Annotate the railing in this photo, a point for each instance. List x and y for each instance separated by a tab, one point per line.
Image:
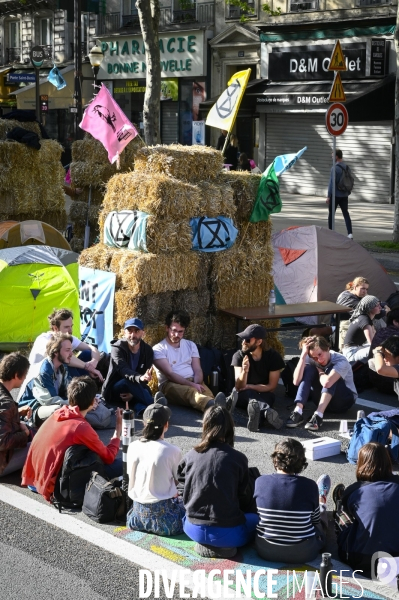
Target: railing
203	13
132	19
298	6
109	23
13	55
184	16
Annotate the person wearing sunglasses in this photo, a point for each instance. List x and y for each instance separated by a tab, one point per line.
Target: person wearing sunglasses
178	367
257	371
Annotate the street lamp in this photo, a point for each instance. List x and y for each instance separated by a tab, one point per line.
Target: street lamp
95	57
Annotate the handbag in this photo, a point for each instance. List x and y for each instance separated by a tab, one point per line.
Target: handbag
104	500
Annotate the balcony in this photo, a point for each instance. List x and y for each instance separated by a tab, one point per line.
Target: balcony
132	20
203	13
109	23
13	55
186	15
236	12
299	6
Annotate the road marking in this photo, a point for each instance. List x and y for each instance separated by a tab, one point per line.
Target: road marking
93	535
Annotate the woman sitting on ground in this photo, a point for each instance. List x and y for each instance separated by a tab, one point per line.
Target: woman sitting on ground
366	511
384	383
386	361
152	467
292	509
361	330
216	490
351	296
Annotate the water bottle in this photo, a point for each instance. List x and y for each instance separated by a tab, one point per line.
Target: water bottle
272	301
127	437
326	575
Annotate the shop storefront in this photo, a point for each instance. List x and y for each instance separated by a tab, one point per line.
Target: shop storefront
294	100
184	81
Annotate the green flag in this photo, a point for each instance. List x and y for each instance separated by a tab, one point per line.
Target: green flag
268	197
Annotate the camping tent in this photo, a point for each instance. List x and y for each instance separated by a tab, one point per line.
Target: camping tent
14	234
33	281
314	263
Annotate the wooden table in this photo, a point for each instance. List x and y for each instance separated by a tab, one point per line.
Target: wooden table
282	311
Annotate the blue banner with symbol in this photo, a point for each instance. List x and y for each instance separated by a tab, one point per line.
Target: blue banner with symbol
96	303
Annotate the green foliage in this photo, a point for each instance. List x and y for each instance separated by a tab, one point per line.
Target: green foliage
245	10
388	245
273	13
186	4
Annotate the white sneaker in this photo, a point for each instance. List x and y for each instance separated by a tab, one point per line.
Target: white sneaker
350	236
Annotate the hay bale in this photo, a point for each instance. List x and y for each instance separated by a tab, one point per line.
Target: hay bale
152	309
57	219
97	257
78	217
217	199
97	195
242	278
187	163
245	187
77	244
144	274
163	235
155	194
198	331
195	302
7	124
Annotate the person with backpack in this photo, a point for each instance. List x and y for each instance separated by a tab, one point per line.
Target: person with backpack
365	512
343	187
68	427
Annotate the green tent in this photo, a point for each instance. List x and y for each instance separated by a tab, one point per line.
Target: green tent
33	282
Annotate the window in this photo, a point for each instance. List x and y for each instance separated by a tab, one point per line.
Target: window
298	6
14	34
46	32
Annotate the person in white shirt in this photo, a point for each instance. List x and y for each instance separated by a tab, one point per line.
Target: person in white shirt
178	367
152	467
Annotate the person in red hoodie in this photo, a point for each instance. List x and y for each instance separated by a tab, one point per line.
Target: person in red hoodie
67	427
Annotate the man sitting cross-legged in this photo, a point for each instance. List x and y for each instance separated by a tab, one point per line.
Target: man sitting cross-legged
130	368
325	377
178	367
257	371
46	392
68	427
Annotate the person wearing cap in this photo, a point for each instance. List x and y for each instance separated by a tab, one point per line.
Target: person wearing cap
257	371
178	367
152	468
130	368
326	378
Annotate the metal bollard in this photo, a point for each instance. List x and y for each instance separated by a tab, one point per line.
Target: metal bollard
127	437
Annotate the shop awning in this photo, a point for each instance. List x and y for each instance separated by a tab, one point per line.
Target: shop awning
318	33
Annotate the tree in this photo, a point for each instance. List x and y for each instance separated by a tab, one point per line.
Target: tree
396	190
149	13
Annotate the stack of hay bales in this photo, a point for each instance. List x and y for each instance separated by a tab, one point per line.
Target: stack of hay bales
172	184
31	180
90	166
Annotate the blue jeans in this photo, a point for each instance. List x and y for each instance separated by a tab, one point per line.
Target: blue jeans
343	204
115	469
223	537
85	356
310	389
141	393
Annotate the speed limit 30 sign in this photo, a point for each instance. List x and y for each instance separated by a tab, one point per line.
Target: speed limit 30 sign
336	119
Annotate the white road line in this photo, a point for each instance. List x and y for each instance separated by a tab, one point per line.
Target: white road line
93	535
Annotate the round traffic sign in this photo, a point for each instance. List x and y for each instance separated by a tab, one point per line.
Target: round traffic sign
37	56
336	119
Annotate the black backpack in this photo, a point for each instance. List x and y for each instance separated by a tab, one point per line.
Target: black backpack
79	462
104	500
287	375
346	181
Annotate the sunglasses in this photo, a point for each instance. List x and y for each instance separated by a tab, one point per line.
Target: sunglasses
246	340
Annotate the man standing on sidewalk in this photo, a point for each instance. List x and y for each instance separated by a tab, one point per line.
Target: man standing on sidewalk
341	197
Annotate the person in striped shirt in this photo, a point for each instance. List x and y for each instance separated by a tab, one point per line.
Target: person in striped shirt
292	509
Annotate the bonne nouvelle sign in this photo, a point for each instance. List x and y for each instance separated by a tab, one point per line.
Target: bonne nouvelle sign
181	53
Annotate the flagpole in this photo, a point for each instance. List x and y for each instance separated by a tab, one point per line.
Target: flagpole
227	140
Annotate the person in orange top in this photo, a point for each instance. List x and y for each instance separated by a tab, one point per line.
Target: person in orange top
67	427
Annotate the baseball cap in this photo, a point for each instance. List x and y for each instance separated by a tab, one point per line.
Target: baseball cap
253	331
158	414
134	323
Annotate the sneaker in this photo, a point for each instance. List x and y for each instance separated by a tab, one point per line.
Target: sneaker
220	400
324	485
213	552
232	401
253	411
338	492
273	418
32	489
314	424
295	419
350	236
158	396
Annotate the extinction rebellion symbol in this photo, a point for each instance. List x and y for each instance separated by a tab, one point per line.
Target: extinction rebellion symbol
227	101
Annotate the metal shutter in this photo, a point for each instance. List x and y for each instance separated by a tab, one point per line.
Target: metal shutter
366	148
169	120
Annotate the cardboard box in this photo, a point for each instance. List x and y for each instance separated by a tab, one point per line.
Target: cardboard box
321	447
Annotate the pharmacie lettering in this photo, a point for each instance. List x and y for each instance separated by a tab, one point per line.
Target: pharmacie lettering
166	45
311	65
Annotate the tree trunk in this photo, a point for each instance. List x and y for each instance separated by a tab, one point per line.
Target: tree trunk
149	13
396	189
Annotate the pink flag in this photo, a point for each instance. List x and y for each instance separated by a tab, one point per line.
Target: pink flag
106	122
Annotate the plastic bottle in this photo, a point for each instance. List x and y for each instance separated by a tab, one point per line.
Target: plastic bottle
272	301
326	575
127	438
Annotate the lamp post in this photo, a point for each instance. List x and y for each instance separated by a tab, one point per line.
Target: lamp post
95	57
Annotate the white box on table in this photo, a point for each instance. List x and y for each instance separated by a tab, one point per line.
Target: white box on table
321	447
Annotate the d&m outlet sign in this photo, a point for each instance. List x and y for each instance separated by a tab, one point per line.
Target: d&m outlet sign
182	55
